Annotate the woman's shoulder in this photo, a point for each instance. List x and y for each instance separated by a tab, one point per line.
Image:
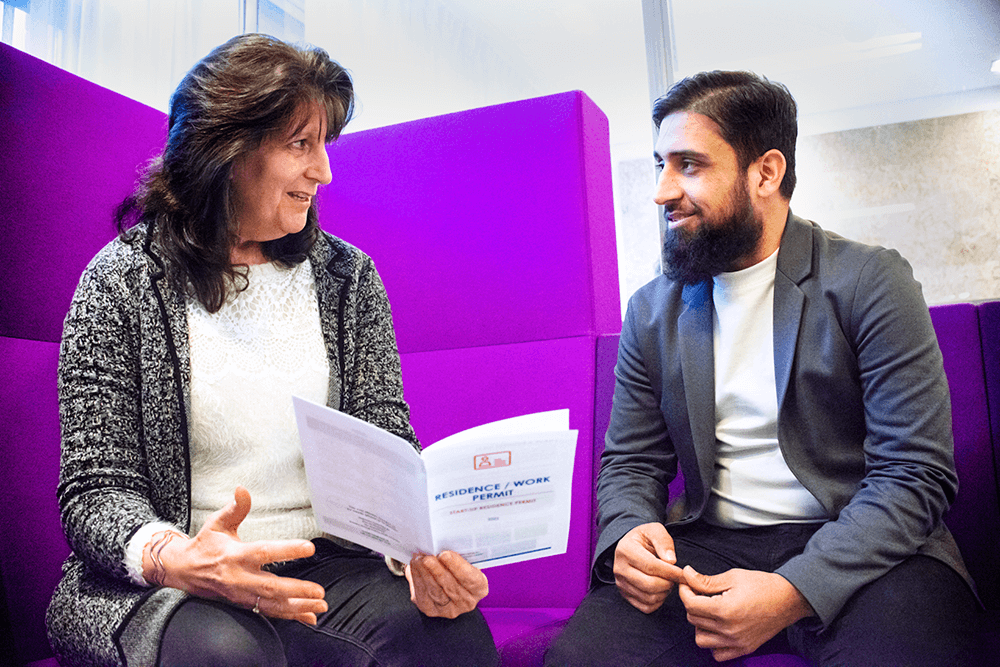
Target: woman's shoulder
339	256
117	265
121	253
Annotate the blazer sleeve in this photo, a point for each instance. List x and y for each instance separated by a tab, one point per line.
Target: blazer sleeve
638	461
909	476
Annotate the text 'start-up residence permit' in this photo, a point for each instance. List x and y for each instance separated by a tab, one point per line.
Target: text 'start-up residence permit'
496	494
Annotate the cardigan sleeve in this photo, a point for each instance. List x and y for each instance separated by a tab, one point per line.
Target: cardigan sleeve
373	379
103	489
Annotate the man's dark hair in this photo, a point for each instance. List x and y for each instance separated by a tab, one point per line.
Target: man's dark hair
243	92
754	115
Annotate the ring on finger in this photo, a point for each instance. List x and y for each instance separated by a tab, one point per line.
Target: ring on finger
256	606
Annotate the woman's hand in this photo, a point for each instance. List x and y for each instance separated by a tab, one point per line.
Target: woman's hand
215	564
445	585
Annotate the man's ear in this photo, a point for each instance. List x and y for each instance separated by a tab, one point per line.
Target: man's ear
767	172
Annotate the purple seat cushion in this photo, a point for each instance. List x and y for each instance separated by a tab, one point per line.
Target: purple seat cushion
974	518
523	634
989	330
32	548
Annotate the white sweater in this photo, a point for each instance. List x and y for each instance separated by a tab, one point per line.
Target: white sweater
753	484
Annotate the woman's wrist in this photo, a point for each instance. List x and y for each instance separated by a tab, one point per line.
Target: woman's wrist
154	570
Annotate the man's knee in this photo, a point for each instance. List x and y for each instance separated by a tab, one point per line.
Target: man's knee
919	613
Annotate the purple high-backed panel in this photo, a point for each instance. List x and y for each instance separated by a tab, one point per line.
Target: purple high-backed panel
72	152
485	224
974	518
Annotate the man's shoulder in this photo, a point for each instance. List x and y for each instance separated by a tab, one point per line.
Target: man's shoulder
658	292
830	243
823	254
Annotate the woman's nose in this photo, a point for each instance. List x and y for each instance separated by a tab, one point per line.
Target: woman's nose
319	170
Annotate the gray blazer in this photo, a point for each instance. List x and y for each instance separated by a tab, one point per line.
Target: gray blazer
124	382
864	414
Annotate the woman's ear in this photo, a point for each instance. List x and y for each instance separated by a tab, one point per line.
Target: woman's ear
767	172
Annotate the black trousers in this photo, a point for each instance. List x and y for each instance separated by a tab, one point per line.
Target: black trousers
370	622
921	613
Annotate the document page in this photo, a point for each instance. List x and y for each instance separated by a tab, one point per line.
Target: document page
496	494
368	486
500	493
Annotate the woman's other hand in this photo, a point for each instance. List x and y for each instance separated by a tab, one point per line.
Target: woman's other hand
215	564
445	585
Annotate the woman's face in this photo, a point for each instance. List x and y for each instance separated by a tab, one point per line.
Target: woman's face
274	186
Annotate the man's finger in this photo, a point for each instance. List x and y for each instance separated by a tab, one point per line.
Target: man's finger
697	606
644	602
704	584
638	580
661	542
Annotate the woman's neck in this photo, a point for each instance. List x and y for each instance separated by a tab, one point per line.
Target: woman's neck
247	252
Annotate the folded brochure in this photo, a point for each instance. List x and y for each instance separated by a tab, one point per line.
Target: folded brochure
496	494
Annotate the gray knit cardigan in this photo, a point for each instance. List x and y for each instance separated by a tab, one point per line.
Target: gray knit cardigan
124	400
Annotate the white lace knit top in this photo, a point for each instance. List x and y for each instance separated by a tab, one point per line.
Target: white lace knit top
247	360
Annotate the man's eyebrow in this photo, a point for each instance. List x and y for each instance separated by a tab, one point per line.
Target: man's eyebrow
696	155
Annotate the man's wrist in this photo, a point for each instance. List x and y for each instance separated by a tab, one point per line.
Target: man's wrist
797	606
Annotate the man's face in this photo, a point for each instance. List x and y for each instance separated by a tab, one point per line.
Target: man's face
711	223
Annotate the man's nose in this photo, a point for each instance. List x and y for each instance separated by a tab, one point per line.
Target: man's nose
667	188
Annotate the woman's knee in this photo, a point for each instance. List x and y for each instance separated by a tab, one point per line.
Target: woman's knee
204	632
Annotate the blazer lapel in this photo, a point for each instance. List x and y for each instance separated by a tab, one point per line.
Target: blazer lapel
794	265
696	344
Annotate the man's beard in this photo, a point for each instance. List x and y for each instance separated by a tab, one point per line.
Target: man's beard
716	245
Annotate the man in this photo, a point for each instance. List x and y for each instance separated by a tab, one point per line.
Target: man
794	378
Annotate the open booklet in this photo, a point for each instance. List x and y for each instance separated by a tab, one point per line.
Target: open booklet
496	494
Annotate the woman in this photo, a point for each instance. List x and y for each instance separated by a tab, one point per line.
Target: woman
182	347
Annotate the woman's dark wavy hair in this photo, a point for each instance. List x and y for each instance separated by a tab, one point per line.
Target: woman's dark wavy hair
754	115
250	88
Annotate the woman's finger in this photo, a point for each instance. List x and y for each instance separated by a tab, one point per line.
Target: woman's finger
467	575
228	519
428	581
444	581
265	552
296	609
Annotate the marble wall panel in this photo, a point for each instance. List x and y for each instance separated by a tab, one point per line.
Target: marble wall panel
928	188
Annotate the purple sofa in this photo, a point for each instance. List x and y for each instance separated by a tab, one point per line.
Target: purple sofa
493	231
